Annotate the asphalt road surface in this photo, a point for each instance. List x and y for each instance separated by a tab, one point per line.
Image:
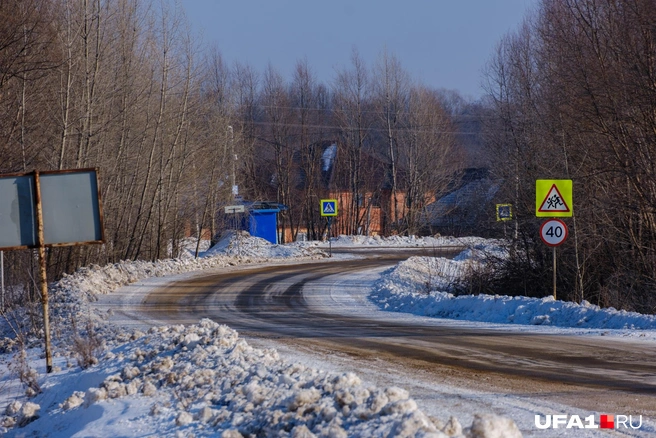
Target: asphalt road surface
270	304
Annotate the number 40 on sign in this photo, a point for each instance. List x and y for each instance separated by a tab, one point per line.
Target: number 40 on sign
553	232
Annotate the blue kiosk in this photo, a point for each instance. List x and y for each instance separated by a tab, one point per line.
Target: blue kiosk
260	219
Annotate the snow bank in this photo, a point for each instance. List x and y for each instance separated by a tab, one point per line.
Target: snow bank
397	241
203	380
422	285
70	295
243	244
232	250
187	247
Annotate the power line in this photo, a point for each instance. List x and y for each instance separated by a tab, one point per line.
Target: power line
348	128
374	112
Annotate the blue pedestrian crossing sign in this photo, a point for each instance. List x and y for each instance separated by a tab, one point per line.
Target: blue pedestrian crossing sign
329	207
504	212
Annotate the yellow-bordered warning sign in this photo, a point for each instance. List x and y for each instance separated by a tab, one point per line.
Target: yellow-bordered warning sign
553	198
329	207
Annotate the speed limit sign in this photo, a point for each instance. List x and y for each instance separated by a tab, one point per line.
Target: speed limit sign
553	232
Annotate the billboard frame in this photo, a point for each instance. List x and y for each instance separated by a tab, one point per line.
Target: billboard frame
36	221
36	187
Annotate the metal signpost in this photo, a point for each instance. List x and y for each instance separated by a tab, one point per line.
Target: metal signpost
235	209
553	198
329	209
50	209
504	214
553	233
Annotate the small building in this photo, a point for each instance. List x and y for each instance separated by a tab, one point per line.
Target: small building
260	219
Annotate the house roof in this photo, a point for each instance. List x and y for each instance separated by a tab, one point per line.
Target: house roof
466	202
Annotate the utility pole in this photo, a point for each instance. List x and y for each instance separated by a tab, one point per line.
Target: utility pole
235	189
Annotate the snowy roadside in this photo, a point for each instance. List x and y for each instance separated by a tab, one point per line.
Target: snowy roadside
200	380
203	380
372	242
421	286
70	296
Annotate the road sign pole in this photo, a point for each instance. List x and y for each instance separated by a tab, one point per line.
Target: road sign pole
554	272
237	235
553	198
553	232
330	242
328	208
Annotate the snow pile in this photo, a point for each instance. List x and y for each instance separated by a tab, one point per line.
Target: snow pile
426	274
419	275
479	252
399	241
203	380
422	286
243	244
70	295
187	247
102	280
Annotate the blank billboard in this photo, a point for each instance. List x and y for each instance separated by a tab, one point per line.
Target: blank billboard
70	203
17	212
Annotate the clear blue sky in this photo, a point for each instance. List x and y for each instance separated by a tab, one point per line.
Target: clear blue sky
442	43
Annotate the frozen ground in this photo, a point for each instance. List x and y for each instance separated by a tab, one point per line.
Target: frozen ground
203	380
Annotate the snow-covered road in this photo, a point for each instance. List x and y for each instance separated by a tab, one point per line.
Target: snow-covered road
455	366
202	379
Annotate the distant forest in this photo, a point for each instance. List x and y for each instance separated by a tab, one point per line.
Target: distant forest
125	86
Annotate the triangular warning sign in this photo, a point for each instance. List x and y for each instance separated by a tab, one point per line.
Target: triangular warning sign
554	202
328	208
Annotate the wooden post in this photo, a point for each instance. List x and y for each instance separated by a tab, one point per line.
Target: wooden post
2	278
43	270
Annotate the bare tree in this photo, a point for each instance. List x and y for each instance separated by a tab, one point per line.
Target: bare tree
391	91
430	155
352	112
26	36
278	148
309	121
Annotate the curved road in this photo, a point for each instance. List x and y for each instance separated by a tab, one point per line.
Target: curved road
271	303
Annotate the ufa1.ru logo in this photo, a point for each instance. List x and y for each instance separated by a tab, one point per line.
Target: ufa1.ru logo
576	422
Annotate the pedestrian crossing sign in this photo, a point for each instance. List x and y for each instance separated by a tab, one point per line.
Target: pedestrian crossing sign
329	207
504	212
553	198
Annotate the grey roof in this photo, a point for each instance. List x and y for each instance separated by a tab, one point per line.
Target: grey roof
464	206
